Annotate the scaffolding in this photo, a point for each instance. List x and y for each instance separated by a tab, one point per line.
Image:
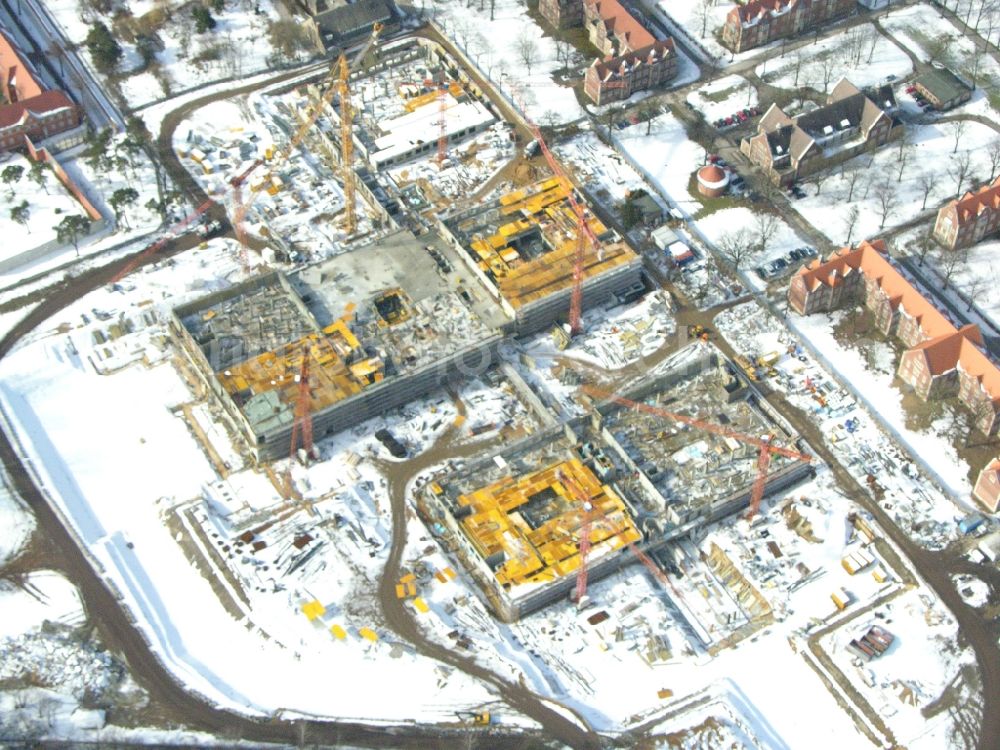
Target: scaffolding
527	529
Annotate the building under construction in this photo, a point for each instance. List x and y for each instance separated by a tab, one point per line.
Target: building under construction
523	247
514	519
381	325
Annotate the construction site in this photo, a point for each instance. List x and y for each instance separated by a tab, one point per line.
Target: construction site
582	499
365	331
535	245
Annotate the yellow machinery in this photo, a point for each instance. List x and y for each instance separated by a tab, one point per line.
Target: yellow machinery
475	718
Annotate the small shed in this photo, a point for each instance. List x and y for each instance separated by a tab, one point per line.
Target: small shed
663	237
942	88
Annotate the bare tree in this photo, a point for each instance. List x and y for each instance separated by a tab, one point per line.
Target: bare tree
765	227
939	47
949	262
564	52
927	181
527	50
993	154
736	247
924	247
905	154
703	14
851	223
851	177
796	66
828	66
958	129
873	37
977	284
819	178
887	200
959	170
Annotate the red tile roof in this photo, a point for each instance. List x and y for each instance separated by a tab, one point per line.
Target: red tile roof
622	24
14	67
755	9
620	65
47	101
970	205
946	347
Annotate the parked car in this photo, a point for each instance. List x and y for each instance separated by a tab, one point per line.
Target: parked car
796	254
810	252
754	111
911	89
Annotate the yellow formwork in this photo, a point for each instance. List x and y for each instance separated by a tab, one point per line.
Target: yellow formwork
331	379
550	550
313	610
543	206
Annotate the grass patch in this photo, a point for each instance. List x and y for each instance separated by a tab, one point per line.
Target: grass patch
711	205
575	36
718	96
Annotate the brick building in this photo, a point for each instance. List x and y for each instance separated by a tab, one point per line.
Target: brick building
758	22
969	219
30	109
987	489
633	59
941	360
562	14
852	121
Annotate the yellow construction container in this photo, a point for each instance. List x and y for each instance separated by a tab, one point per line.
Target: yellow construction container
400	591
338	632
313	610
368	634
421	605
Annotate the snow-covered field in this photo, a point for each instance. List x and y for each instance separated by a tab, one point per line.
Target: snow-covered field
722	97
880	197
721	227
930	36
860	54
238	45
495	47
667	155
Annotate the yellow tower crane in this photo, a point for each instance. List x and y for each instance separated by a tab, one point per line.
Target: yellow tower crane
347	129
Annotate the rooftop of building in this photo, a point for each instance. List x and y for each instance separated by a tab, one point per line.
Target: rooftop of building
946	346
942	84
528	527
621	65
972	204
526	242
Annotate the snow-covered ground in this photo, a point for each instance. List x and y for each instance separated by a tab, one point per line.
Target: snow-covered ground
928	35
46	206
238	45
16	522
723	97
929	155
720	227
859	54
497	46
667	155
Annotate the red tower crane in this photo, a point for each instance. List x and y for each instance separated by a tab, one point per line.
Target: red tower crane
302	426
583	538
583	230
764	444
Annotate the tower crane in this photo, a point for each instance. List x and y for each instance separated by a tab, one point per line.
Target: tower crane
583	540
584	233
764	444
347	128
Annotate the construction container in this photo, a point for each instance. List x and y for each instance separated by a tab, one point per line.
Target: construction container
338	632
368	634
313	610
421	606
880	575
840	598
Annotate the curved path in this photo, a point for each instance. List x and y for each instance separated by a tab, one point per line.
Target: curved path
401	619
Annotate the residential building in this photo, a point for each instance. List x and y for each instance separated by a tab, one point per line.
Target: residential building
335	24
562	14
987	489
941	360
632	58
852	121
942	88
30	110
967	220
758	22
